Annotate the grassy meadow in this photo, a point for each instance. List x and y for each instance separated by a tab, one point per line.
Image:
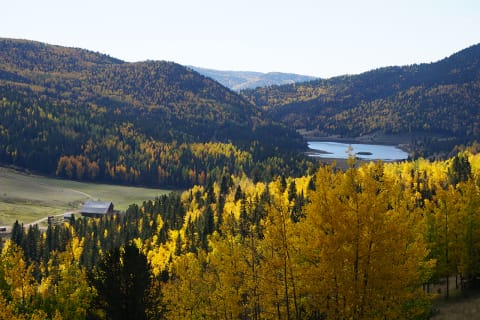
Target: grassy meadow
26	197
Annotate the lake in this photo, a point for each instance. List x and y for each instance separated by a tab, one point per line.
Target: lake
337	150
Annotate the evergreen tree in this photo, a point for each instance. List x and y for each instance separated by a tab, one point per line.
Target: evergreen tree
460	170
17	233
122	281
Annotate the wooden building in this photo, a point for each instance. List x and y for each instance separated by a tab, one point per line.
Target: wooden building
97	209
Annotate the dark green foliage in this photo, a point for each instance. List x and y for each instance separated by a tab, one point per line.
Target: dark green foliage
244	223
460	170
140	222
86	116
292	191
17	233
238	193
122	279
297	210
137	222
435	105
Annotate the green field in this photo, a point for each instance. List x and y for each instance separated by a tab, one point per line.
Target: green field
27	197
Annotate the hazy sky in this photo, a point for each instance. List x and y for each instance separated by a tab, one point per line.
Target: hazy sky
320	38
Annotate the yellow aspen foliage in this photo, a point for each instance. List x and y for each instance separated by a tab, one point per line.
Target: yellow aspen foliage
17	274
159	257
251	190
160	223
469	235
187	293
65	283
140	223
42	315
139	244
231	207
7	310
282	272
172	235
365	256
230	273
75	247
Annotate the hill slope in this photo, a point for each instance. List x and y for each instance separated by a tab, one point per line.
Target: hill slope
138	122
239	80
439	103
165	90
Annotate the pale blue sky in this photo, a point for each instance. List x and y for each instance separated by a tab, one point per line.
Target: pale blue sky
320	38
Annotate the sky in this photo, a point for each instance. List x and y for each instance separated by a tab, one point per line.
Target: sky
319	38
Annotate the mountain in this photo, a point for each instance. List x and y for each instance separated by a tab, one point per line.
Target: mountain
82	114
435	105
239	80
165	90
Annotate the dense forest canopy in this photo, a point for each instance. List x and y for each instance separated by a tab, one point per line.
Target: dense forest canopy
368	242
84	115
261	232
437	104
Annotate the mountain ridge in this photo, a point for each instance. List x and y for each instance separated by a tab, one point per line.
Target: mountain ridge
438	101
152	122
239	80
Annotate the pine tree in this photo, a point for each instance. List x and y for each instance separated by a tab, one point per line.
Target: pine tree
122	281
460	169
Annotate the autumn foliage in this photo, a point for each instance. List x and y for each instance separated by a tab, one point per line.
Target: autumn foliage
367	242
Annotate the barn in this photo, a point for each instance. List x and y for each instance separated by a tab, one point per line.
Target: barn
97	209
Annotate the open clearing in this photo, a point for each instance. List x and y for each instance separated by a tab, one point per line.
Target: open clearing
26	197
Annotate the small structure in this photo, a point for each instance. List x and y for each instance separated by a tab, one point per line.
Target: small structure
97	209
55	220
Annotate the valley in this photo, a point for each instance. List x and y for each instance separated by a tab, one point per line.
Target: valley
28	197
226	216
433	106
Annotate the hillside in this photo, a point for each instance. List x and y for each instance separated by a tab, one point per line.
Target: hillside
239	80
85	115
437	105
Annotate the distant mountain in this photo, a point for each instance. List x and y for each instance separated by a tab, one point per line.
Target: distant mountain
82	114
437	105
239	80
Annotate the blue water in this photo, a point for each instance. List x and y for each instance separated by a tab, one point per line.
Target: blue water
339	151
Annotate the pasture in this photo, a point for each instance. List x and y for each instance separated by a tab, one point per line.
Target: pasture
27	197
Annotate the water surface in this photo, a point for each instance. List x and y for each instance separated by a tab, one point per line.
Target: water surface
337	150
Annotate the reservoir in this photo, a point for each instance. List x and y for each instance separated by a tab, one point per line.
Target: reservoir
336	150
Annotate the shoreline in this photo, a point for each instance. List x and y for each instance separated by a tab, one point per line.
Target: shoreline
358	140
323	154
400	141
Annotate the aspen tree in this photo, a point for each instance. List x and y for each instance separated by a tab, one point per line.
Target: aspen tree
366	253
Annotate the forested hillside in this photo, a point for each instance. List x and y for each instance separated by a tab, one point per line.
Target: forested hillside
438	103
368	242
261	232
84	115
